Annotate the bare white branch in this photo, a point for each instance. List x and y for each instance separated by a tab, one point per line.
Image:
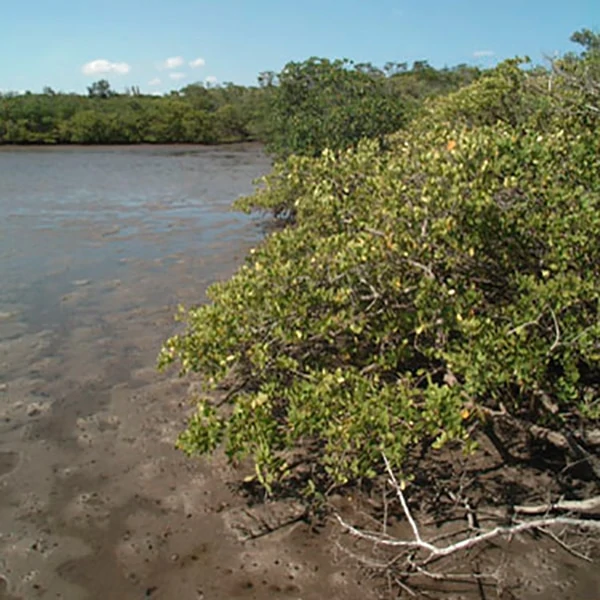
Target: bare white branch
501	530
557	332
398	488
411	560
566	547
590	506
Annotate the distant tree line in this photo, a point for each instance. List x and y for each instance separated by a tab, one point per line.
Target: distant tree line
304	108
195	114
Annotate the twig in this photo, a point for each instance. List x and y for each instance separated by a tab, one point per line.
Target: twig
231	393
557	330
460	577
400	495
558	440
547	403
414	263
374	231
518	328
580	452
415	556
268	530
436	552
405	587
565	546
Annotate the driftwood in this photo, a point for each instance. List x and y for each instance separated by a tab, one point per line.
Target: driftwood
591	506
413	556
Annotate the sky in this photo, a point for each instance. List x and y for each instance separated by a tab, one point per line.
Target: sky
161	45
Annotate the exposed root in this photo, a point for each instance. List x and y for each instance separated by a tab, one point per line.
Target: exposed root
412	556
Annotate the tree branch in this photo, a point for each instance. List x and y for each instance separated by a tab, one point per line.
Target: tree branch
590	506
434	552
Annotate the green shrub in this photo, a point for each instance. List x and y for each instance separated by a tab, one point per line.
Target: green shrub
458	270
320	104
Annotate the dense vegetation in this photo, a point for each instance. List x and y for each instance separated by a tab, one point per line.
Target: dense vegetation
353	101
419	285
194	114
322	104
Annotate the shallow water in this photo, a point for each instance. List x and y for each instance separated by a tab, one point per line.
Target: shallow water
97	247
83	213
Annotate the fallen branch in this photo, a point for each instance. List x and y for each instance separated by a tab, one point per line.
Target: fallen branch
501	530
591	506
410	561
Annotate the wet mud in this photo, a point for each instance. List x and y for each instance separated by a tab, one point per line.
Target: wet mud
97	248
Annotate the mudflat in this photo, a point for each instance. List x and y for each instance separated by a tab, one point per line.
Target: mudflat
97	248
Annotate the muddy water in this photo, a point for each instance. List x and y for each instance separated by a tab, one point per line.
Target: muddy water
97	247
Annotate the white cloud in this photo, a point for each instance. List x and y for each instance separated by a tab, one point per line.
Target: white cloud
198	62
171	63
177	75
483	53
102	66
211	79
155	81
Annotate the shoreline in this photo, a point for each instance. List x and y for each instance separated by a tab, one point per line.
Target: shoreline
241	145
95	502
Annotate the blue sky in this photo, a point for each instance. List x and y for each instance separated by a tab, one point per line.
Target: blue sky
67	44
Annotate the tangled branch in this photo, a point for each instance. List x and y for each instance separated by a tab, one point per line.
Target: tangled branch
415	554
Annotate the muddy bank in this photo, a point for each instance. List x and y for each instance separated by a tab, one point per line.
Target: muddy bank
95	501
97	247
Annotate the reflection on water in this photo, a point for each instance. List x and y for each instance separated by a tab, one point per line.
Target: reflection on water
97	246
70	214
101	204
